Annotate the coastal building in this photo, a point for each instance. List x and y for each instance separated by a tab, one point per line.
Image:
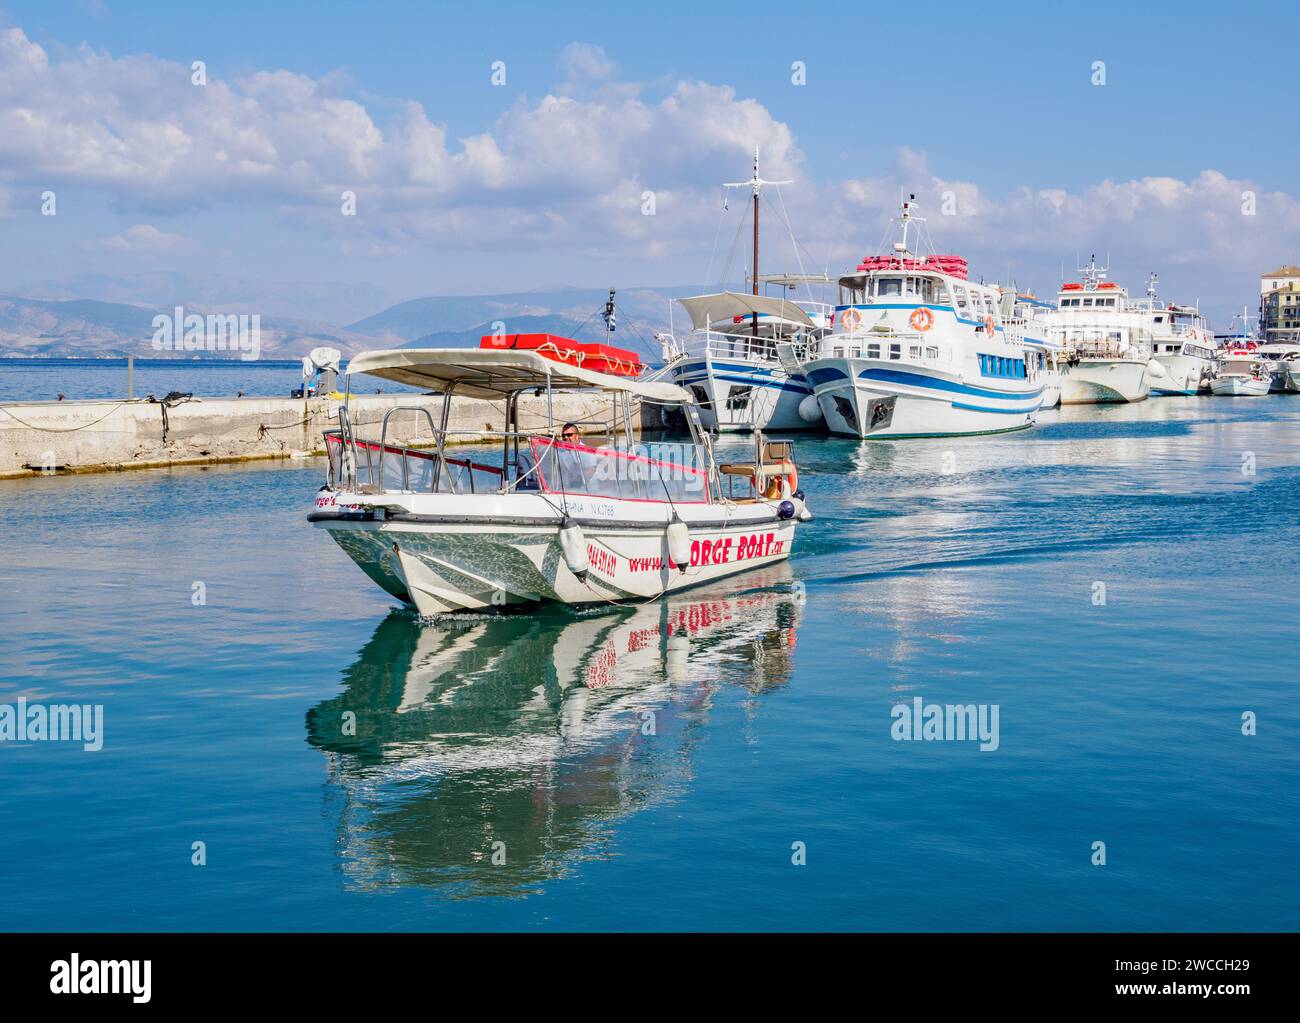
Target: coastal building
1279	304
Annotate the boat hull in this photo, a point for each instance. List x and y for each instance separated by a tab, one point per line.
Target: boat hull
876	399
740	396
446	561
1104	381
1051	381
1184	375
1239	387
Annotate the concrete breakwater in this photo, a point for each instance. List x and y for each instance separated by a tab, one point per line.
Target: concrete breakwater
105	436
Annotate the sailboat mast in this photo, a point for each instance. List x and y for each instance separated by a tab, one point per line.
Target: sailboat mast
754	278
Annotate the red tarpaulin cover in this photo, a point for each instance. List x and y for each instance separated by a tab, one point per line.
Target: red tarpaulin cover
601	358
954	266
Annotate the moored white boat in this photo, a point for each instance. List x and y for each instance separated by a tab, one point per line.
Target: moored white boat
730	363
1284	366
554	519
1105	342
919	350
1183	344
1242	373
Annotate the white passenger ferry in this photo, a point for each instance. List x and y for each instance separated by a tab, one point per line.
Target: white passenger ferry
917	349
1105	340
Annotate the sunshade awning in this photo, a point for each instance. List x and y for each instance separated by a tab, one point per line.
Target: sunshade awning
486	373
723	307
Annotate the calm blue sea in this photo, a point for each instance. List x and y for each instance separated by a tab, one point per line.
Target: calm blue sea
655	768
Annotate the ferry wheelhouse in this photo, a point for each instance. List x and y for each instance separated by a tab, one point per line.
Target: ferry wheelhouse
917	349
1105	341
554	518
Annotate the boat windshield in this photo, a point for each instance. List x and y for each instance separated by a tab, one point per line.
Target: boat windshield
645	472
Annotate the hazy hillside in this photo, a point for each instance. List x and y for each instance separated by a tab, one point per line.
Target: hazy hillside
645	309
90	327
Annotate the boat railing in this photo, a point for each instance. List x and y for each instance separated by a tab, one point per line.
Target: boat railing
738	345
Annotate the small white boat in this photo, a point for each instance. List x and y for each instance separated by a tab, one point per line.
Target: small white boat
554	519
1284	366
1242	373
731	365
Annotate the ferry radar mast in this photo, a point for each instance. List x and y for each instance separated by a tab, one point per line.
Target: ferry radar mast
1093	274
756	184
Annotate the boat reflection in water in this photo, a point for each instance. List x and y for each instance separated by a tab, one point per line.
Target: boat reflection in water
537	731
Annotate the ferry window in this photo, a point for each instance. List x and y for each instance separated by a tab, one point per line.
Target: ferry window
941	295
888	287
914	351
931	353
959	299
873	351
1087	301
896	351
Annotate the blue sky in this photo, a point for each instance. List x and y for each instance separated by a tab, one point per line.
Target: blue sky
995	104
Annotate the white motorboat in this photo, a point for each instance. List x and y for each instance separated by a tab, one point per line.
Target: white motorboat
1284	366
554	519
730	362
1242	373
1105	341
1183	344
917	349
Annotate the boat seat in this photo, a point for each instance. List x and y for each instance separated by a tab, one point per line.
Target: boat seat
736	468
776	451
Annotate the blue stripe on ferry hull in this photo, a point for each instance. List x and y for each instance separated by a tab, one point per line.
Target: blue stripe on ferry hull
897	376
795	386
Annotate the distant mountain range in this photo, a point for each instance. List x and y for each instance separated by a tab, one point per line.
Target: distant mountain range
39	323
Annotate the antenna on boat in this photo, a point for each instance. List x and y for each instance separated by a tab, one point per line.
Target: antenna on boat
1152	279
909	204
1093	274
755	183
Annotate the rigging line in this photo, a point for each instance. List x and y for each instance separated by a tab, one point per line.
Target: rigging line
732	251
717	233
785	216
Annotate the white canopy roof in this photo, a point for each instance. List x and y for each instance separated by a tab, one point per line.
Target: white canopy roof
488	373
724	306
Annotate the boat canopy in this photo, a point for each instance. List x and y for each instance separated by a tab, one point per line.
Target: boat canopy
484	373
711	310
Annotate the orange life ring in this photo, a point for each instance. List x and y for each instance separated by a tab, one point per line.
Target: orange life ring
921	318
850	319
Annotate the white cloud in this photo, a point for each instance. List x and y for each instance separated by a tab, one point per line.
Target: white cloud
140	239
563	172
